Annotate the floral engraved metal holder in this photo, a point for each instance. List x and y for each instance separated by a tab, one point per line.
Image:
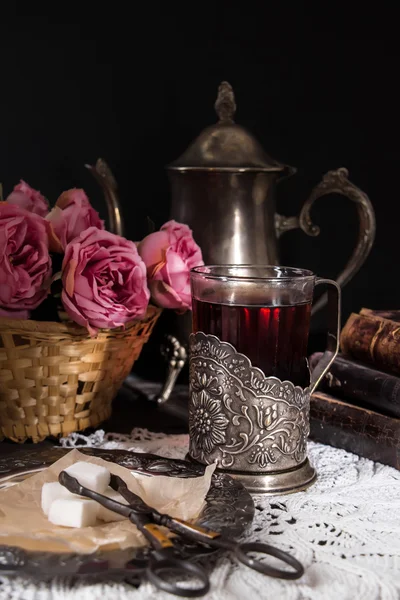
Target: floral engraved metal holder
255	427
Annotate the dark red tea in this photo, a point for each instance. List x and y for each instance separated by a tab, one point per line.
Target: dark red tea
274	338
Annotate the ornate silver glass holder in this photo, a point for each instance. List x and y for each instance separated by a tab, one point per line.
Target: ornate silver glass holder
254	427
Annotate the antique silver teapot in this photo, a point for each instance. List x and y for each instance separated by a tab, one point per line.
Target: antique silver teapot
224	187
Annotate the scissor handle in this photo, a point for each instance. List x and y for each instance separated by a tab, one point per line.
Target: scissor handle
242	552
159	571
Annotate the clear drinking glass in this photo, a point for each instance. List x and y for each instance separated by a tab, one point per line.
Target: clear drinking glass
248	365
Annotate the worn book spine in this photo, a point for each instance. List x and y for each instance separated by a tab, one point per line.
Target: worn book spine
392	315
373	340
355	429
361	384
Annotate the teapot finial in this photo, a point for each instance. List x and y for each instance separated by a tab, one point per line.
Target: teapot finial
225	105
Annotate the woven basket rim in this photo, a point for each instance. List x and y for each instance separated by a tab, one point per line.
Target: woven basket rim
56	378
43	328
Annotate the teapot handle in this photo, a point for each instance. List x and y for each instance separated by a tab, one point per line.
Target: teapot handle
103	175
336	182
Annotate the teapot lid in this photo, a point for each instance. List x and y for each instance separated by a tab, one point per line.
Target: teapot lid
225	146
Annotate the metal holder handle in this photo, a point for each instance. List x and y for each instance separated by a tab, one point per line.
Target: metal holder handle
336	182
332	348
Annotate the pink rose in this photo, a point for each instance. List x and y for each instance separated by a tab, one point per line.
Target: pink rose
169	254
25	264
104	280
71	215
26	197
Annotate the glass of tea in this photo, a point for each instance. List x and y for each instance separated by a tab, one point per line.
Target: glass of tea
250	384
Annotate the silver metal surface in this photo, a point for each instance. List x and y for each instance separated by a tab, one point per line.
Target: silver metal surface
334	299
337	182
224	187
273	484
229	509
247	423
232	214
226	146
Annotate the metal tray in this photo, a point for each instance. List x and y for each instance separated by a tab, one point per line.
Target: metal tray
229	509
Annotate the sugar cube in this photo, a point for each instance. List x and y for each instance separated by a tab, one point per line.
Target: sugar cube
107	515
73	512
89	475
52	491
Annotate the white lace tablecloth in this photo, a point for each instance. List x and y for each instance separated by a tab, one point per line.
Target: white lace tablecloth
345	530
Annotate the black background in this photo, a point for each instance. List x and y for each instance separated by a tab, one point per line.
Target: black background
135	83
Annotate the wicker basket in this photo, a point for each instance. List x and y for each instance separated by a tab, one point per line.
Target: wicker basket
55	379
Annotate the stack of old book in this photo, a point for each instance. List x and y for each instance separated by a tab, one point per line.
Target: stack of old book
357	406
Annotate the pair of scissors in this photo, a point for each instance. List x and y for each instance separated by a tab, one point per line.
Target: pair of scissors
164	561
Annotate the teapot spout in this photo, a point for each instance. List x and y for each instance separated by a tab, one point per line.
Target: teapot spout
287	171
103	175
